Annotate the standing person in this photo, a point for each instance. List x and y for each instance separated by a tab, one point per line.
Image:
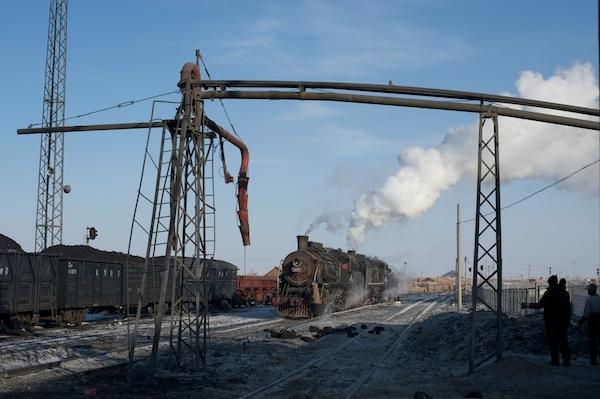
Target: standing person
568	310
563	284
591	314
556	305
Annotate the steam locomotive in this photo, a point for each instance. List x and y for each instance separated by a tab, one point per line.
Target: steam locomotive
316	280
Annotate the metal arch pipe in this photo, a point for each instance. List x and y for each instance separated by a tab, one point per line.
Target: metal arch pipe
402	102
242	187
393	89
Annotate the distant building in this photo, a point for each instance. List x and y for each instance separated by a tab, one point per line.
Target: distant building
432	284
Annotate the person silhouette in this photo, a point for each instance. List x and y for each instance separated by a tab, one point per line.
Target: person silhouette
557	314
591	315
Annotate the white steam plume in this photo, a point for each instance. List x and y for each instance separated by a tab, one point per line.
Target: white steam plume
332	221
527	150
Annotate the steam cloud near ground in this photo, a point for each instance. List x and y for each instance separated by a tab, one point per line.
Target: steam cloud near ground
527	150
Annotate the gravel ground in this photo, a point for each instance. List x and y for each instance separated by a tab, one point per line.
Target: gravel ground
428	357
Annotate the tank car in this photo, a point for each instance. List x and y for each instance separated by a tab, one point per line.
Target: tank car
316	280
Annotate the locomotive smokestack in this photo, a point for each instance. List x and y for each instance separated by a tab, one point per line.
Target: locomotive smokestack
302	242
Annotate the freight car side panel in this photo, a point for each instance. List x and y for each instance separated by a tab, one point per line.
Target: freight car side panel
112	285
87	284
25	284
8	262
75	283
47	278
84	278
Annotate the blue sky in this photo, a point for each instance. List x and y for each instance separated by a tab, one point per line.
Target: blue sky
305	157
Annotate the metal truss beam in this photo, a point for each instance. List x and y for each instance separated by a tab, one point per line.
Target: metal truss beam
488	236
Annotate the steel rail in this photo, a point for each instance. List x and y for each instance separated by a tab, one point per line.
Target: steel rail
375	366
394	89
333	351
402	102
287	323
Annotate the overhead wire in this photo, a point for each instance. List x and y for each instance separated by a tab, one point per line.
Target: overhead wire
119	105
538	191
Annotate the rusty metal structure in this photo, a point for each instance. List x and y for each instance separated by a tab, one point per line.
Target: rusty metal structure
49	211
178	227
487	106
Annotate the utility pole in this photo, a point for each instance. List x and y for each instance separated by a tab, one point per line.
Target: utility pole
48	222
458	275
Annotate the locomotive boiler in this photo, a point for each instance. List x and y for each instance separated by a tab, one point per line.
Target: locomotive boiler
316	280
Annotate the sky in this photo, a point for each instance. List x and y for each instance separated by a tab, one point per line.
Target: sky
316	160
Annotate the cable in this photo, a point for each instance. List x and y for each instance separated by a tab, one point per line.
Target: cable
220	100
538	191
119	105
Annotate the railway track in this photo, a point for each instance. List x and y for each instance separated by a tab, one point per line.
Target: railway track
290	323
107	347
330	365
71	346
57	336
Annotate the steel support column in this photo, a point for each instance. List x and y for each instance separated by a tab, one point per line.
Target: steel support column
487	258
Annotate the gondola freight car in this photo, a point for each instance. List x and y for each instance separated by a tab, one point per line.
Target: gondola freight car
63	282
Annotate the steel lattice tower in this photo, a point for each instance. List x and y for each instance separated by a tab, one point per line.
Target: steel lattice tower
182	228
488	239
48	226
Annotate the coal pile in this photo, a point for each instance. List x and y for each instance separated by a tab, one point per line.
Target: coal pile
7	244
87	252
448	335
286	333
318	332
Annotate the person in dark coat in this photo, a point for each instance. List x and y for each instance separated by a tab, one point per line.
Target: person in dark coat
563	286
591	316
557	315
